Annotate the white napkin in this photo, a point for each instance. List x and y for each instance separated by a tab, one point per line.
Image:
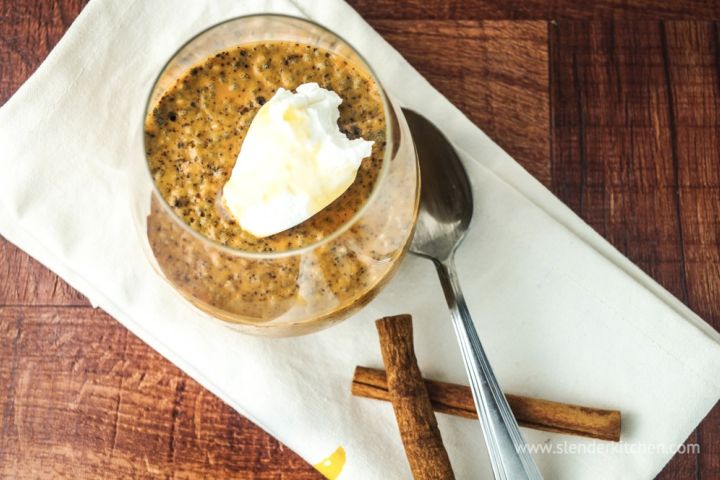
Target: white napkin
563	315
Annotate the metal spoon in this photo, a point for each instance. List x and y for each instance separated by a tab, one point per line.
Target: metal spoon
446	207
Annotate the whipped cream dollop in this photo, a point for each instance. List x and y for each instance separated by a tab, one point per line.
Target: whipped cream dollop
293	162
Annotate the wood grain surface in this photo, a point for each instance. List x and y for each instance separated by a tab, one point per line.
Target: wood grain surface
614	106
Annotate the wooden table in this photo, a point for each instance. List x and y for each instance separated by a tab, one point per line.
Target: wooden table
613	106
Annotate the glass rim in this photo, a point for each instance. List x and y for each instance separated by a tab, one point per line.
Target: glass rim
345	226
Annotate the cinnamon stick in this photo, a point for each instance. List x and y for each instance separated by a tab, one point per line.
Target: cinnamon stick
413	410
530	412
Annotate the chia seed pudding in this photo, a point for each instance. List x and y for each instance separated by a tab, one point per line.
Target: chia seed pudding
192	138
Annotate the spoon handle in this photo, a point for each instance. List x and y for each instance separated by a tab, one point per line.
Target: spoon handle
509	456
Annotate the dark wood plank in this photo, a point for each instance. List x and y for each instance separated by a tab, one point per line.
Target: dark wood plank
82	398
23	281
613	161
538	9
635	147
29	31
692	54
495	72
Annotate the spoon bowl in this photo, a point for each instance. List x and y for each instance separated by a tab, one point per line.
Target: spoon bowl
446	202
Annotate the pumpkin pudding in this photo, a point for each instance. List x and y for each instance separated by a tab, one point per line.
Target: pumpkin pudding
322	268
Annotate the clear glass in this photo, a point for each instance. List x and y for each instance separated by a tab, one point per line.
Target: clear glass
294	291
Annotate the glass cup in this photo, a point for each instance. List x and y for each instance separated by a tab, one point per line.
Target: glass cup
294	291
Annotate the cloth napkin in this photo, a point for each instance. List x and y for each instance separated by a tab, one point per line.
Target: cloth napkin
563	315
